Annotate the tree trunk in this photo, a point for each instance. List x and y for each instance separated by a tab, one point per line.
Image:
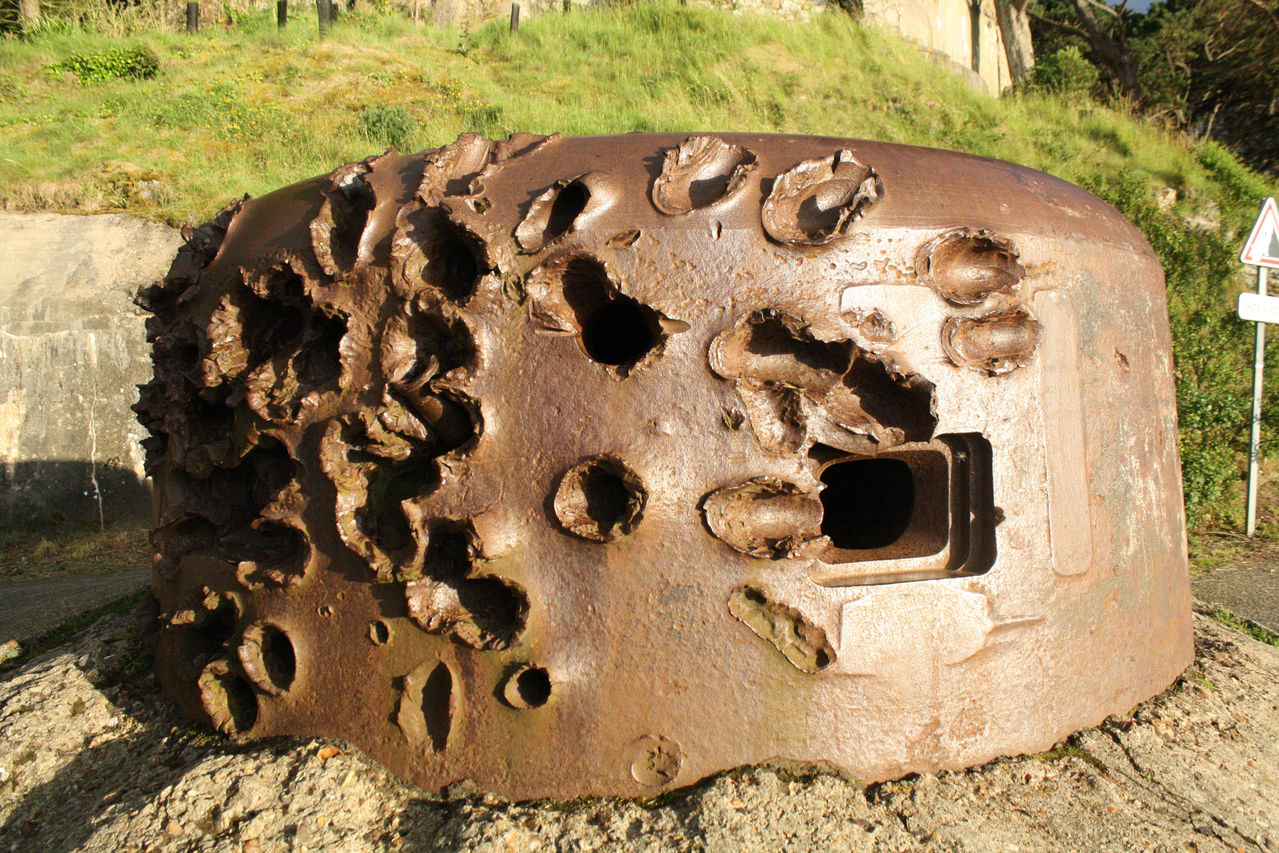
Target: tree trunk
1113	52
1014	31
28	12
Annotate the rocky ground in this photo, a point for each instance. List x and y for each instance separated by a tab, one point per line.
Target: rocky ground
93	758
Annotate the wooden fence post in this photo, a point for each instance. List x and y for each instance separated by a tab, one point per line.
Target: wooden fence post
281	13
515	18
193	17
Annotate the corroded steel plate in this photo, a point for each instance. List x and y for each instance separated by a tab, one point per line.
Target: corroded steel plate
597	465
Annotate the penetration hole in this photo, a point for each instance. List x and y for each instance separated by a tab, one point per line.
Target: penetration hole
498	610
448	341
437	706
320	361
448	552
527	687
453	264
600	499
379	632
228	699
615	329
351	206
867	503
267	658
617	333
772	339
278	657
453	418
272	543
382	518
534	686
606	496
269	469
174	541
905	404
269	327
209	637
208	422
242	704
569	204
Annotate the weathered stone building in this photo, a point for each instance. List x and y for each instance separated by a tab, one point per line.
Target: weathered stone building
964	33
967	32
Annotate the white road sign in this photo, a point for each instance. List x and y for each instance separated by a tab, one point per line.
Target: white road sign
1258	308
1262	248
1262	252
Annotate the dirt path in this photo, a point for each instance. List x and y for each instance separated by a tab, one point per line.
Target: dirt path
94	759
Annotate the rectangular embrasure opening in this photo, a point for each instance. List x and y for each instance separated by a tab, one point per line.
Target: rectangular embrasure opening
918	512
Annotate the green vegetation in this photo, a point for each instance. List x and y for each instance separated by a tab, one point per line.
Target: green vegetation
245	108
1064	72
388	124
1069	748
118	63
1246	626
1197	676
248	108
1198	65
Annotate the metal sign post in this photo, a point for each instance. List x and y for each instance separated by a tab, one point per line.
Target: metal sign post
1261	251
1254	447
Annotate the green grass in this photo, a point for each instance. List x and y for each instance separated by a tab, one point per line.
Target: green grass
1194	674
1068	748
1239	623
247	108
73	550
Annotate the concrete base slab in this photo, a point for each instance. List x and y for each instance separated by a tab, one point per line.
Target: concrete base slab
93	760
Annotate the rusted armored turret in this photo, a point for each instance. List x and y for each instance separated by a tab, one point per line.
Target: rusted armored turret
597	465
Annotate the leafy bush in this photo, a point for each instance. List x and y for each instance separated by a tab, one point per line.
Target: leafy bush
388	124
1066	72
136	62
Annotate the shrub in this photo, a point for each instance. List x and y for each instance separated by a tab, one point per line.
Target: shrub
386	123
136	62
1065	72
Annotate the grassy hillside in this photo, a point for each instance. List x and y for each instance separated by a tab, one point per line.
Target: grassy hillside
247	109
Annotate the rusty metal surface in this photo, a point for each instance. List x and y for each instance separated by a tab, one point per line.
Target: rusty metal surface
597	465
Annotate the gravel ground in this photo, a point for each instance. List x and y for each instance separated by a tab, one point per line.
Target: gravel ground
93	758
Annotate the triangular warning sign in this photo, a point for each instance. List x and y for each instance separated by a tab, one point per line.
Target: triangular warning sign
1262	248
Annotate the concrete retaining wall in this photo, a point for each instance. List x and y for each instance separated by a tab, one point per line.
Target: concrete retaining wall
72	351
